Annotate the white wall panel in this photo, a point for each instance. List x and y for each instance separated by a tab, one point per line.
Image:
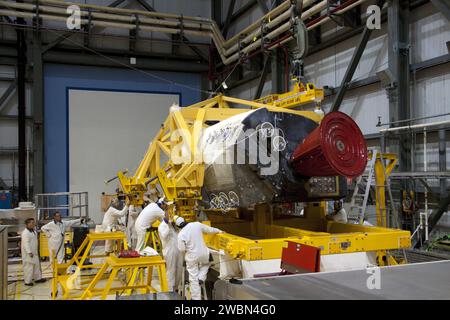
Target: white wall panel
327	67
431	93
105	137
429	33
364	105
248	90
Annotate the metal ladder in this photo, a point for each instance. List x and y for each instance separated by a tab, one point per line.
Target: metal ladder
358	208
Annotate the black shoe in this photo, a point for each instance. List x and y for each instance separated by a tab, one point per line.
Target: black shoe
29	284
40	280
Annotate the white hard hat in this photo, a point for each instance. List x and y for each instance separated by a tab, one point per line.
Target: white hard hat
178	220
163	200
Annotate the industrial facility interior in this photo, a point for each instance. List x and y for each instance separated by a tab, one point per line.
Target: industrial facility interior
224	149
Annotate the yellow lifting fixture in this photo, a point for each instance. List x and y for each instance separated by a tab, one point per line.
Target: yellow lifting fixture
183	183
301	94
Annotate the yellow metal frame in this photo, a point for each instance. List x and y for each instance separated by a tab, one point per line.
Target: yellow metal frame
382	172
153	234
133	267
300	95
183	182
61	271
339	238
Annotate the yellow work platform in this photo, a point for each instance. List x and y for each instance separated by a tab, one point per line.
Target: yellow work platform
61	271
83	251
133	267
136	278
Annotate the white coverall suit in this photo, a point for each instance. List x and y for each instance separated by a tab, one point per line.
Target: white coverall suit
146	218
55	232
110	220
190	241
133	213
340	216
172	256
31	265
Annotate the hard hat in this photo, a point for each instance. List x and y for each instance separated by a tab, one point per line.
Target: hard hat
178	220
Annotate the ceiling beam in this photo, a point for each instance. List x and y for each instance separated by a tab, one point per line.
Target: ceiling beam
262	78
68	34
262	4
197	51
226	25
443	6
243	10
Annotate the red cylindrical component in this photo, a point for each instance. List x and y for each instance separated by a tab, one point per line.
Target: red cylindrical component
336	147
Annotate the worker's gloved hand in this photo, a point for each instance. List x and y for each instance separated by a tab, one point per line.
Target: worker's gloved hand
82	221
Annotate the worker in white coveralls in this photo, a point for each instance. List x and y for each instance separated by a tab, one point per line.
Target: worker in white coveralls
55	232
30	254
130	220
149	215
171	254
111	219
339	214
196	253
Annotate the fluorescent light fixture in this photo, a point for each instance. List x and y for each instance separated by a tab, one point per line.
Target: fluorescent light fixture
224	85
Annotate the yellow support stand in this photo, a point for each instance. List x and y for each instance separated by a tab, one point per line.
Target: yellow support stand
61	274
82	253
382	172
132	266
154	238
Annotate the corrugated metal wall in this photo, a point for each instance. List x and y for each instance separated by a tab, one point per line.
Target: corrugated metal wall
8	128
430	92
